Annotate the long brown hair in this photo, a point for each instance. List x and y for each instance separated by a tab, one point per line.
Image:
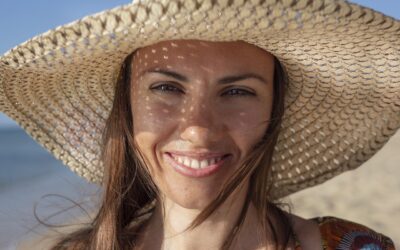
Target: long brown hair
128	187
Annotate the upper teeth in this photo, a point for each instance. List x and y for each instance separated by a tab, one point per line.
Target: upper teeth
193	163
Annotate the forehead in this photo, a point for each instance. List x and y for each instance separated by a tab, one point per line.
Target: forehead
206	55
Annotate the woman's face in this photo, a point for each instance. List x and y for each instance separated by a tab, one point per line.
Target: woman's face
194	102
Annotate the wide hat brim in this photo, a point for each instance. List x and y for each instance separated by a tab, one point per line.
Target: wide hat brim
342	61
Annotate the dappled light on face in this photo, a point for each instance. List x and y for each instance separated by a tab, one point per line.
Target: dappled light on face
175	81
204	44
190	45
184	99
187	68
207	69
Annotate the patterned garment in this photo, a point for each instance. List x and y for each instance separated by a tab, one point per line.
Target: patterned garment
341	234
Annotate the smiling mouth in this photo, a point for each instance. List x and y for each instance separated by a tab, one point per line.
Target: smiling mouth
192	167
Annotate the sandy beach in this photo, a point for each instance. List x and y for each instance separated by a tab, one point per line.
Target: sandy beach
369	195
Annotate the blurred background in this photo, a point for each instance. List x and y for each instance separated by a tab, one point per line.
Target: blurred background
30	177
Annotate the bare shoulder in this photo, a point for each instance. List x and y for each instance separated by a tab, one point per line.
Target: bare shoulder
307	232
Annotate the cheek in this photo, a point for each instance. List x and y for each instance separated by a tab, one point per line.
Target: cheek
247	120
151	115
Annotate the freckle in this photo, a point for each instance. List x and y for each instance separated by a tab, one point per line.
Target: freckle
165	57
153	51
164	49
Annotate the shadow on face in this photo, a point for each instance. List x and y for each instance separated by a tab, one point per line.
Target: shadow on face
190	95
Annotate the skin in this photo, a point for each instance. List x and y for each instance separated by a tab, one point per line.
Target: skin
197	113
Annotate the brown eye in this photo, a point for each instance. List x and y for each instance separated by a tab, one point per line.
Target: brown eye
166	88
238	92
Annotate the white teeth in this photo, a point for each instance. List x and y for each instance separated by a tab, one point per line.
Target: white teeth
212	161
193	163
180	159
186	162
204	163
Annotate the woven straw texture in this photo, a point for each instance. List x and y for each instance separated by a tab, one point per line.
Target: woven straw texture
342	61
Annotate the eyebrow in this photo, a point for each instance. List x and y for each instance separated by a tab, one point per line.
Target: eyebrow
223	80
169	73
231	79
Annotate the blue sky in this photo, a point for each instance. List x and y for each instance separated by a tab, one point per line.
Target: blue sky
21	20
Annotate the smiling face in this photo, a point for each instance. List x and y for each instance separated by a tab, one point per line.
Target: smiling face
198	109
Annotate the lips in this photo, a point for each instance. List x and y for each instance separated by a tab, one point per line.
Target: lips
201	165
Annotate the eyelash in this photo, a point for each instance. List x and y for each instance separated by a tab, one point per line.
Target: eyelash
159	88
162	87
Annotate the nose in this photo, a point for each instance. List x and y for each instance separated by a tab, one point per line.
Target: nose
201	125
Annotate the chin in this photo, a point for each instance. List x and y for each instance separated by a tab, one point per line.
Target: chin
192	201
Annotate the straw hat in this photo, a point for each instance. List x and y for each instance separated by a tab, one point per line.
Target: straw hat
342	61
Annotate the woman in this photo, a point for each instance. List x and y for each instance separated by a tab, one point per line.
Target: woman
191	148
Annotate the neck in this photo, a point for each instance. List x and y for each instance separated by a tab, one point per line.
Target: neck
211	234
